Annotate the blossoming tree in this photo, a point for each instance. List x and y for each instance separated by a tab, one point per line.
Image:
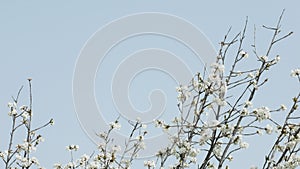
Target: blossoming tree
216	115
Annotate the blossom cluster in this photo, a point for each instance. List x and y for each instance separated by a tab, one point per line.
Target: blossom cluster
110	155
18	155
216	116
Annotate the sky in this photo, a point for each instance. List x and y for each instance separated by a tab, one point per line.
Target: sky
43	40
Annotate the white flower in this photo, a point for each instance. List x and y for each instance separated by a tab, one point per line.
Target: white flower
144	126
181	88
264	58
213	123
23	161
34	160
244	112
223	89
237	139
25	146
138	119
218	150
40	138
205	136
195	83
230	157
220	102
244	54
251	75
2	155
254	83
262	113
70	165
84	158
76	147
283	107
227	129
51	122
140	138
277	59
57	166
159	123
248	103
13	112
166	127
214	78
244	145
259	132
192	160
269	129
115	125
12	105
149	163
182	150
183	93
126	162
72	147
194	152
218	67
23	108
295	72
25	115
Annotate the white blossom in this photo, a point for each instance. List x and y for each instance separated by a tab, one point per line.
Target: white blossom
12	105
218	67
244	112
264	58
34	160
149	163
283	107
248	103
244	54
159	123
213	123
70	165
13	112
244	145
262	113
259	132
25	115
57	166
251	75
205	136
218	149
277	58
220	102
269	129
115	125
183	93
295	72
72	147
51	122
2	155
227	129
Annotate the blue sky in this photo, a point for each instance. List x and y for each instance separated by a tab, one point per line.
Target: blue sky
42	40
